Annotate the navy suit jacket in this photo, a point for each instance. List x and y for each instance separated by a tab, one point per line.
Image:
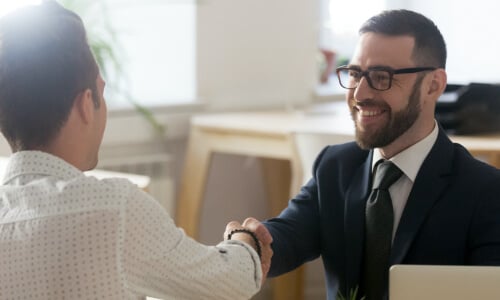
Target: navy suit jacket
452	216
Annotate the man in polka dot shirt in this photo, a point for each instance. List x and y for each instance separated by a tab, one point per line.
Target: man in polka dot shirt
64	235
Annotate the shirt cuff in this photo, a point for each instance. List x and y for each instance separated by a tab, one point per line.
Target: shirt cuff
253	255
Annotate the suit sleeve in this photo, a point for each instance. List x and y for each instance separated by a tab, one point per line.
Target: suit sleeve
296	231
484	238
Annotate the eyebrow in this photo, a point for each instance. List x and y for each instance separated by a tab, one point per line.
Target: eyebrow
371	67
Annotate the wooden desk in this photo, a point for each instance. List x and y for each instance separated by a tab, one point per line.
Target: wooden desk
268	136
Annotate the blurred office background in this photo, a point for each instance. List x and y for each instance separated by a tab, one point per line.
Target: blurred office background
180	58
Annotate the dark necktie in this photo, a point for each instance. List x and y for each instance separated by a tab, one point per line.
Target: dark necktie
378	231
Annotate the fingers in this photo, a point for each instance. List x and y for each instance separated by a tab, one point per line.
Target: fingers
265	260
259	229
230	227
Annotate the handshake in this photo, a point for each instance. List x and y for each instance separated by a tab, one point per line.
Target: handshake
255	234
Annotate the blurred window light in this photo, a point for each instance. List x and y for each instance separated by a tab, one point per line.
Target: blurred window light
6	6
347	16
154	42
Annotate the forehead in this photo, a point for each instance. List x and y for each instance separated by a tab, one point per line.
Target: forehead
374	49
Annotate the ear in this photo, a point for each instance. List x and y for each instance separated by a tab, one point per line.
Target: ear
437	83
84	105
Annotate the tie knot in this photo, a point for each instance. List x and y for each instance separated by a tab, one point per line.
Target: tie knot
385	175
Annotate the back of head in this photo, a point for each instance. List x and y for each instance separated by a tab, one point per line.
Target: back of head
430	47
45	62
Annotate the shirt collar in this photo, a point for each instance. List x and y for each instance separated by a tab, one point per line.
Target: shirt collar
410	159
40	163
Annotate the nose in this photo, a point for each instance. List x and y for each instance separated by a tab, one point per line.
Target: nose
363	90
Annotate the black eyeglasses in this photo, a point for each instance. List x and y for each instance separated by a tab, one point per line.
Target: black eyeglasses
378	78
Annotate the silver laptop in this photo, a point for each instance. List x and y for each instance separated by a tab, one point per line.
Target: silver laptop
425	282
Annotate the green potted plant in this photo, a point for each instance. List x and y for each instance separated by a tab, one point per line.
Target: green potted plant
103	40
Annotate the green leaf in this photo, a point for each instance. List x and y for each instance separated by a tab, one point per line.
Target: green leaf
352	295
103	41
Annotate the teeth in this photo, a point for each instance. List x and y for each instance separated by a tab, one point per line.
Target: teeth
369	113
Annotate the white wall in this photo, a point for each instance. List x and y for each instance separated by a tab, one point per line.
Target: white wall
470	31
156	49
345	19
256	53
469	28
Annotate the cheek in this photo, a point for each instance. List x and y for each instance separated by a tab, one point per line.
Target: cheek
398	104
349	95
105	114
104	106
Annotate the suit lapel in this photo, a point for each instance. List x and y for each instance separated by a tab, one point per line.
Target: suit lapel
431	180
354	219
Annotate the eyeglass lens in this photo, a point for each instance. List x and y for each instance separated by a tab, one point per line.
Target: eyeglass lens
377	79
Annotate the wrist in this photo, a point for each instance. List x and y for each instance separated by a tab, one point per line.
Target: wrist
253	238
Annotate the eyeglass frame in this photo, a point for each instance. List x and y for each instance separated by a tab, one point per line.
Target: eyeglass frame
389	70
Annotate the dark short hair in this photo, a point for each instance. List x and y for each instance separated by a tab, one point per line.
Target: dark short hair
45	62
430	47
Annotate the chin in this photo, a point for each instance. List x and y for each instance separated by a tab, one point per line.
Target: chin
91	165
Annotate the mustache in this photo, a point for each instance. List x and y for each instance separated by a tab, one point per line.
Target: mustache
367	103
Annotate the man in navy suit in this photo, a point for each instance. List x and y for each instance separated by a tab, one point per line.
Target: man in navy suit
446	204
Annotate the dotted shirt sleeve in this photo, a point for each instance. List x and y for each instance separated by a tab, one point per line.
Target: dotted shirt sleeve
160	260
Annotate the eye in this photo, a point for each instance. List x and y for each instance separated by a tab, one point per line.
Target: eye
354	73
379	76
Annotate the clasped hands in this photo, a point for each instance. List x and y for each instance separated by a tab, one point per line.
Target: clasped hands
263	236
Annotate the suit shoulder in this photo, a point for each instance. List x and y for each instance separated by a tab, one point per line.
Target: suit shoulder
345	156
469	161
343	152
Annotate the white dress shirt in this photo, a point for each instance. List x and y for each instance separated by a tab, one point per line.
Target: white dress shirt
64	235
409	161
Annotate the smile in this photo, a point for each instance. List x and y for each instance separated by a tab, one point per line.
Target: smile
369	113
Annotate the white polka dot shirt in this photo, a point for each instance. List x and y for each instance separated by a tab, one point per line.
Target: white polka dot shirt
64	235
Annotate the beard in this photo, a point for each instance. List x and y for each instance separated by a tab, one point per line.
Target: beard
398	123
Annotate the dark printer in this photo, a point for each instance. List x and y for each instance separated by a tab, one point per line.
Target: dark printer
469	109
